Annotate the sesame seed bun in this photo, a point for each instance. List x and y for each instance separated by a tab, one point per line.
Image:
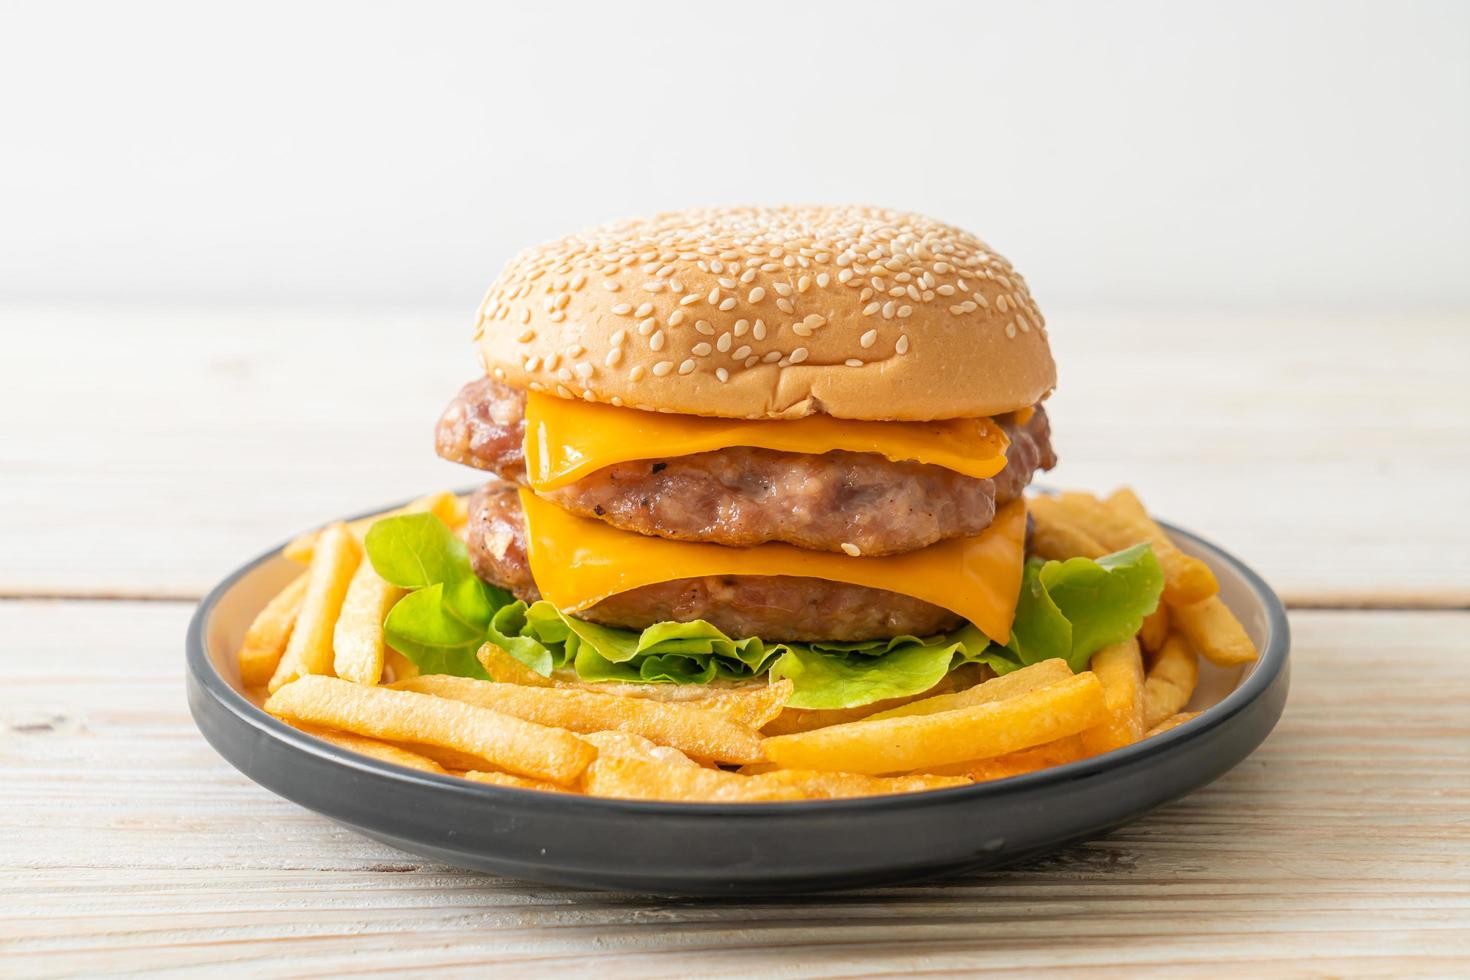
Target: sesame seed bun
861	313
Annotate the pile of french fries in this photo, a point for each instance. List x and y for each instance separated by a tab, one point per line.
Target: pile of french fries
317	651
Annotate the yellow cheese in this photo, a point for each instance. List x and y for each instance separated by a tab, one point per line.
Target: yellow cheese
566	439
578	562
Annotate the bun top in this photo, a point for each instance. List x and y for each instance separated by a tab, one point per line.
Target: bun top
861	313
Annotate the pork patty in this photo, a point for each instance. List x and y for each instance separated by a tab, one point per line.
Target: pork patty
773	607
743	496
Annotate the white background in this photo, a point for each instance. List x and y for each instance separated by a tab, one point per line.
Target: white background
1138	155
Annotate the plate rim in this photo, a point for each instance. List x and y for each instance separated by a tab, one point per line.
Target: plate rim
1273	660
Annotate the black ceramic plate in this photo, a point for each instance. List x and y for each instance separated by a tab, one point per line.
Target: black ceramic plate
735	849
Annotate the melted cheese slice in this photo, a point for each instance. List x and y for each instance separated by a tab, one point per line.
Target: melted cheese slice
566	439
578	562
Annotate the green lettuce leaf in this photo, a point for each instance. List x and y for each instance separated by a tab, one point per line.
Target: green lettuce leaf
1067	609
1071	609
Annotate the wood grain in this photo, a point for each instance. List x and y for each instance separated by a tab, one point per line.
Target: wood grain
1342	846
169	445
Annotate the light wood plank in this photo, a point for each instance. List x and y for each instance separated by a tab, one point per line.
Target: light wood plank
147	452
125	843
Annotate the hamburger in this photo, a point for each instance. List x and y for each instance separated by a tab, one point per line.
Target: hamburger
731	446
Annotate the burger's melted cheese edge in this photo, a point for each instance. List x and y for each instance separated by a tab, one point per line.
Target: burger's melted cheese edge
577	562
568	439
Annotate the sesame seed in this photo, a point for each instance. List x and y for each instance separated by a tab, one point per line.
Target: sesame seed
741	327
701	350
727	304
868	339
610	285
579	280
532	364
741	352
584	370
619	338
903	344
558	316
637	373
772	357
727	283
981	300
872	308
552	360
646	327
662	368
703	326
623	309
844	275
799	355
757	294
576	350
563	392
851	549
853	362
714	296
676	318
656	342
752	361
643	309
1010	329
747	276
565	374
1000	303
689	300
613	357
525	336
687	367
722	374
499	374
759	330
888	310
723	344
904	312
823	279
675	286
801	329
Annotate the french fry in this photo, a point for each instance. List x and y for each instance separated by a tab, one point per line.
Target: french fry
1055	537
500	740
309	650
1170	681
707	734
265	640
1155	629
1120	669
506	669
996	689
837	785
1044	756
1190	578
397	667
921	741
357	639
626	745
445	506
1215	632
381	751
452	760
638	779
507	779
1186	579
1173	722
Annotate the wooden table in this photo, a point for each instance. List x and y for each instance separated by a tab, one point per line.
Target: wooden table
145	453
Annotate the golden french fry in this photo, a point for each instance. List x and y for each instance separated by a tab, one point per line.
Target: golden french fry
1215	632
1155	629
639	779
309	651
835	785
1169	723
1170	681
626	745
397	667
755	705
1044	756
452	760
692	730
506	669
266	639
444	505
922	741
507	779
357	638
1186	579
996	689
382	751
503	741
1120	669
1054	536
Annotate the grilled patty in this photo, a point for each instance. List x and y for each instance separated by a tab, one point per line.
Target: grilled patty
774	607
743	496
